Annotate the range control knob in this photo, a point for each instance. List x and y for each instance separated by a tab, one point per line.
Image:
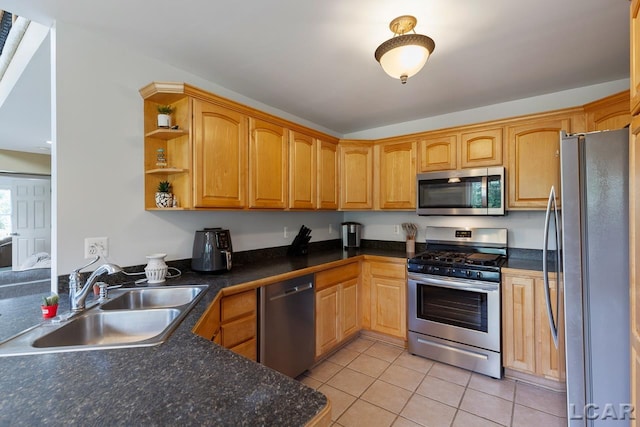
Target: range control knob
467	273
478	274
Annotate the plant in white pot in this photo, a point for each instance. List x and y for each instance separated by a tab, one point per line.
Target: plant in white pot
164	198
164	116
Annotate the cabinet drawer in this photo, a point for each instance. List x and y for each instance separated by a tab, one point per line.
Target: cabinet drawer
238	331
336	275
247	349
384	269
244	303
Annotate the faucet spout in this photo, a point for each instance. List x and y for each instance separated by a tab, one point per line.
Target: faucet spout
78	292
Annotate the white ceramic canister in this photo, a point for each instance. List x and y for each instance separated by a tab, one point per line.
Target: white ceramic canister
156	269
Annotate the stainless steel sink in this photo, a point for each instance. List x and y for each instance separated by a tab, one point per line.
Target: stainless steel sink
133	318
136	299
98	328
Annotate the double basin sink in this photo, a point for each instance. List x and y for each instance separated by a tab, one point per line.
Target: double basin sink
138	317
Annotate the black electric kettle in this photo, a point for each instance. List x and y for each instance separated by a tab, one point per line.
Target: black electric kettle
212	250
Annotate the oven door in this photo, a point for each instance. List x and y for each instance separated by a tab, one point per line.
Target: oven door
464	311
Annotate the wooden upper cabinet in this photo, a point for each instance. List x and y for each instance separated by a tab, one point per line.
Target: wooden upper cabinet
481	148
220	156
635	57
268	165
396	167
609	113
438	153
302	171
356	176
327	176
534	161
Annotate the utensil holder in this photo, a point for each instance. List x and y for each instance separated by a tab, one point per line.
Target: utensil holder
411	246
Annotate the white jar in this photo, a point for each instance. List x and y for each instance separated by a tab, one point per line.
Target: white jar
156	269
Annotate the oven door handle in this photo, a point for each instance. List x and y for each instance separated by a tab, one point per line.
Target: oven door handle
430	281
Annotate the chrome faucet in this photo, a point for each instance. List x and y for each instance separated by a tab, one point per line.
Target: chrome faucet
77	291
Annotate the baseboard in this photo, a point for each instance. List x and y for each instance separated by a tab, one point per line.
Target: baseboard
387	339
524	377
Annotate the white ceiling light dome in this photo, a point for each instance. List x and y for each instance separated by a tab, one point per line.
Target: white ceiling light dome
404	55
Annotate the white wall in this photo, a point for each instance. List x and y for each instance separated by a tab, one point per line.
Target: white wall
536	104
98	165
525	228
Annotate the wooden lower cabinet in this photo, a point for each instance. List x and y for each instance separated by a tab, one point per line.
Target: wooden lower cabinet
526	338
231	321
337	314
386	284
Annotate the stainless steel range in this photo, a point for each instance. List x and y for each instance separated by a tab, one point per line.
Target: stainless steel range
454	298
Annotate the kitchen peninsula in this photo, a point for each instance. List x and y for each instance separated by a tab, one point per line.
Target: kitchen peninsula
187	380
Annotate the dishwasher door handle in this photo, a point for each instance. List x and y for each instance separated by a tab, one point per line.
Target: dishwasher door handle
292	291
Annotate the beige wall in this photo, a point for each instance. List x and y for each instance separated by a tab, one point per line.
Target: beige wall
20	162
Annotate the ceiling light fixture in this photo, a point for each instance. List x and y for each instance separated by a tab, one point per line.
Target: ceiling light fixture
405	54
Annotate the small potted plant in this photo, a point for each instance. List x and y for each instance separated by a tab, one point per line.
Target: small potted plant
164	198
49	306
164	116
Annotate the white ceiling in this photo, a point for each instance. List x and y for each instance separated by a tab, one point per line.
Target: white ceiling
314	59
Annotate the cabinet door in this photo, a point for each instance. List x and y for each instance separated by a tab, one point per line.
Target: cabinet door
388	306
481	148
356	177
611	113
518	323
397	175
534	162
349	309
438	153
268	165
302	171
328	325
550	361
327	175
635	57
220	156
208	325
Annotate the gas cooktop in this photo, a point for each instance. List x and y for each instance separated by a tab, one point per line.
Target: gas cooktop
465	253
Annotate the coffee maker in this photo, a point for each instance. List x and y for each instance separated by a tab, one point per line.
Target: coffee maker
351	234
212	250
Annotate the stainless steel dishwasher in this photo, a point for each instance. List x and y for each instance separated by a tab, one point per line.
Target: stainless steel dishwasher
287	325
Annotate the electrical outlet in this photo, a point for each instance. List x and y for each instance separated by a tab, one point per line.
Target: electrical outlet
96	246
286	233
396	229
330	228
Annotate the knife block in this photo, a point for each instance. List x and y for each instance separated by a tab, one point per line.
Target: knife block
300	244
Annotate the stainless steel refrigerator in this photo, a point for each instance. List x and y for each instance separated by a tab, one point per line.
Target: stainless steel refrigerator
587	246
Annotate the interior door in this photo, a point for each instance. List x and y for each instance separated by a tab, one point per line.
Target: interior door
31	219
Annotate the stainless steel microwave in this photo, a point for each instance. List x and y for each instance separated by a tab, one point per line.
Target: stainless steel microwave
461	192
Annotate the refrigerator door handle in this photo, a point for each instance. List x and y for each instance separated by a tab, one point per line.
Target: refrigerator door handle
545	268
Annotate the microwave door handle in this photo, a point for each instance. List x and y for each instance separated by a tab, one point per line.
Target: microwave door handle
545	267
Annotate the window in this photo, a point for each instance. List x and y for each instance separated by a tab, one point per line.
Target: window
5	212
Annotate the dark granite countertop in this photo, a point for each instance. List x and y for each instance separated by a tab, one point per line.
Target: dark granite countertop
185	381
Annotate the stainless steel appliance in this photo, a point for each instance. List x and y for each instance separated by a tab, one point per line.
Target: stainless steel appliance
589	256
461	192
454	298
351	234
212	250
287	325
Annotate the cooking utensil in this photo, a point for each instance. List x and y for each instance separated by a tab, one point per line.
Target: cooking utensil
410	230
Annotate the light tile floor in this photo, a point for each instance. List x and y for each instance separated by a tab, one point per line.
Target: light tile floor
371	384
